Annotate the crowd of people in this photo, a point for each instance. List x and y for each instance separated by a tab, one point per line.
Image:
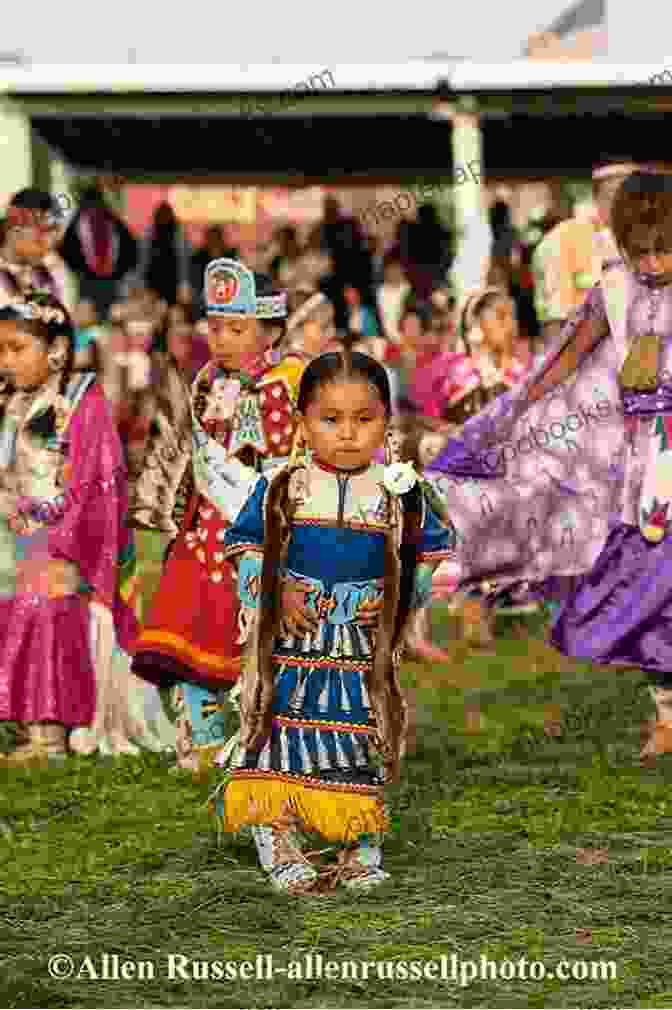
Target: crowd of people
248	481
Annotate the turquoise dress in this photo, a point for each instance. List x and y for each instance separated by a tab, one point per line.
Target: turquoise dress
320	740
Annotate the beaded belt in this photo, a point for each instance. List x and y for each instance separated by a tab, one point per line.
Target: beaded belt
646	404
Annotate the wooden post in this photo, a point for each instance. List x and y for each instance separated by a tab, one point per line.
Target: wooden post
474	237
16	151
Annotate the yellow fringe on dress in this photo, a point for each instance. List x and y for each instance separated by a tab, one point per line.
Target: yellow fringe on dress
338	816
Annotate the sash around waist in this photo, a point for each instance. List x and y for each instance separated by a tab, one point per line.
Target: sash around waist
646	404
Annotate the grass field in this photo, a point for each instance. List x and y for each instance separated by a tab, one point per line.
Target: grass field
508	844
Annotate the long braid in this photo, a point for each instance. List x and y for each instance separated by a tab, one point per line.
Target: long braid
68	368
257	704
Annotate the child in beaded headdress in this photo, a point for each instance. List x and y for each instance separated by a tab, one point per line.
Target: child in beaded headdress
334	553
66	558
208	447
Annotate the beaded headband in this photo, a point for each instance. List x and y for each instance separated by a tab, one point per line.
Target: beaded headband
230	290
26	309
28	217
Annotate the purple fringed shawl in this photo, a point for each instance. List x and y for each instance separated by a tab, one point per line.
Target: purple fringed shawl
536	479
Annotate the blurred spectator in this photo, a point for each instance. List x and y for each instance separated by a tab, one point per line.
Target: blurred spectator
427	361
522	292
283	265
361	318
489	359
165	258
569	260
310	327
31	231
425	251
342	237
99	248
392	295
90	337
376	248
502	231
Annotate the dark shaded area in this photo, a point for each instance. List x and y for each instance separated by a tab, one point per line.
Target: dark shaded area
263	146
345	149
543	147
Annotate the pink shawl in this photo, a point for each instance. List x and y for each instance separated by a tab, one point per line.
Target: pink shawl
93	533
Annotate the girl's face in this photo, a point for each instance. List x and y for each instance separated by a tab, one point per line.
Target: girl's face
30	245
499	325
351	296
232	339
176	315
345	422
139	333
411	329
430	446
23	356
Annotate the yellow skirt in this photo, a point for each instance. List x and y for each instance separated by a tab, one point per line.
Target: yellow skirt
338	814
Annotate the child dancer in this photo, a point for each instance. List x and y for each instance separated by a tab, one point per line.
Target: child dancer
594	503
333	554
488	361
66	560
33	226
242	407
310	327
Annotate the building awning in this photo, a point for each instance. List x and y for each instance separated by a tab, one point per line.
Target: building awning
293	151
257	125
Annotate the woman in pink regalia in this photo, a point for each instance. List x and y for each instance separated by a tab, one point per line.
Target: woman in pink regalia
66	556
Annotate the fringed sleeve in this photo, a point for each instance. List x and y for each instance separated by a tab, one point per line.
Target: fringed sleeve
247	532
438	539
155	487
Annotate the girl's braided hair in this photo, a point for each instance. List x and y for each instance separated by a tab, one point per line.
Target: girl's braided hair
345	365
387	700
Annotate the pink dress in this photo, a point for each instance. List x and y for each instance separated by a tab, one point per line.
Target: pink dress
70	492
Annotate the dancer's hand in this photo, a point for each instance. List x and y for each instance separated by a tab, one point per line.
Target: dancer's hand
47	577
297	617
62	578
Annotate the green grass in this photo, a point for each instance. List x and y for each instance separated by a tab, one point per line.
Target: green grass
121	858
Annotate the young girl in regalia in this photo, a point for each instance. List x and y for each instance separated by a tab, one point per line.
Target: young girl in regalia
209	446
334	552
568	482
32	229
66	561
